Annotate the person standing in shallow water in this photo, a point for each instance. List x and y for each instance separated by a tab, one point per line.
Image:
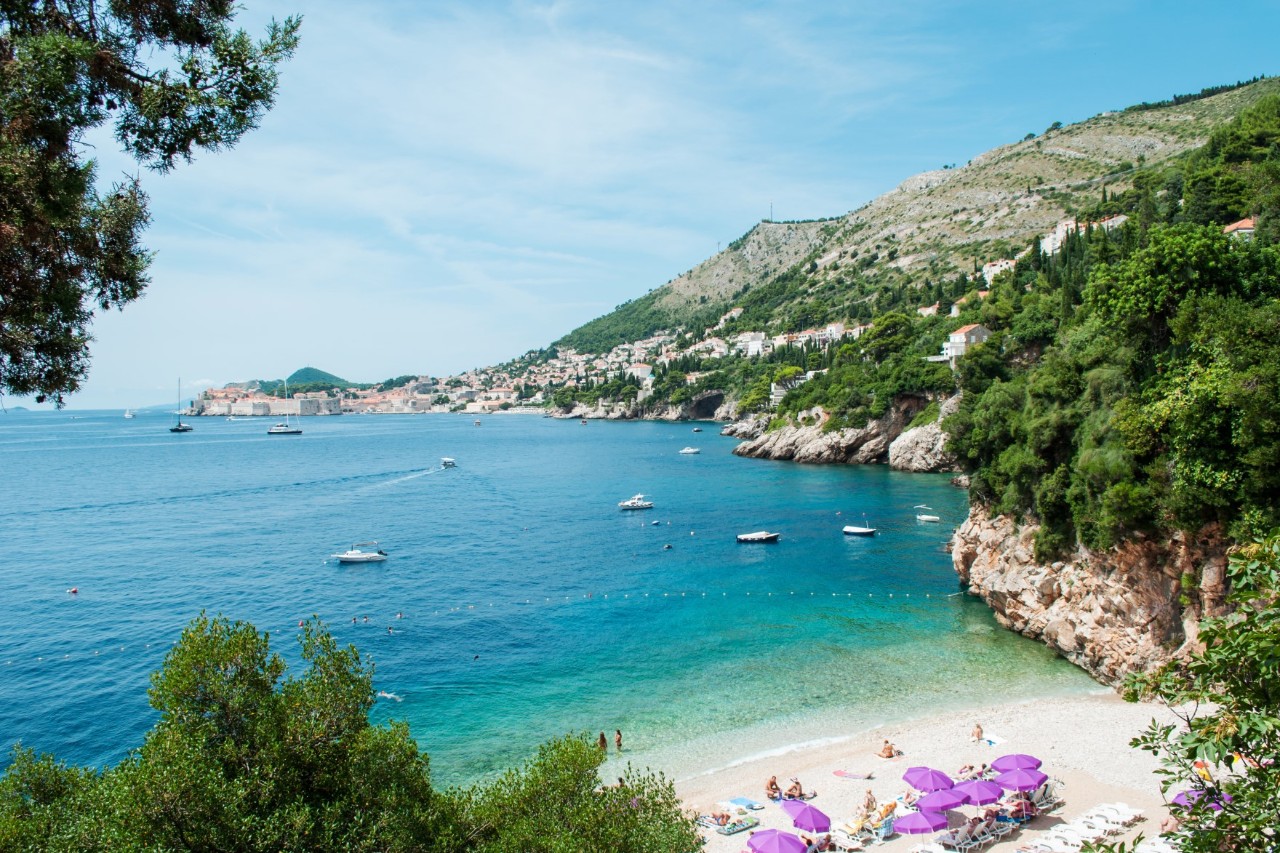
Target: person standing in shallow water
604	743
617	739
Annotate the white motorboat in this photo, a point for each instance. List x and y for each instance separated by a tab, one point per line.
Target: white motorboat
697	429
690	451
759	536
636	502
855	530
448	462
357	554
928	518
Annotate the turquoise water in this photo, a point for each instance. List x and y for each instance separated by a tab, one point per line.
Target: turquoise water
531	605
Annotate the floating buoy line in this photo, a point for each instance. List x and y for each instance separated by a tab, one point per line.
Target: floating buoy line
399	624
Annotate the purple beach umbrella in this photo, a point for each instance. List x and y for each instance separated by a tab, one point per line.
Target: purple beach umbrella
775	841
980	792
927	779
941	801
1190	797
920	822
806	817
1021	780
1016	761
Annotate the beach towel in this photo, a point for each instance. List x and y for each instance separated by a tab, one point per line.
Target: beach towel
993	740
849	774
739	825
746	803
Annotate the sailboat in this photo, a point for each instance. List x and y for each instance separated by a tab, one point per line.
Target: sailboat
180	426
284	428
128	414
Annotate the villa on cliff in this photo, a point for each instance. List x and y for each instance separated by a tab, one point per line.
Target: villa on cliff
959	342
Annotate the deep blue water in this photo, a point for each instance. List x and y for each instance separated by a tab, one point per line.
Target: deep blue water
532	606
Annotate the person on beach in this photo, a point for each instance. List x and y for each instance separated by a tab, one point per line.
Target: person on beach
771	789
617	739
868	802
909	797
888	750
976	734
795	791
965	772
604	743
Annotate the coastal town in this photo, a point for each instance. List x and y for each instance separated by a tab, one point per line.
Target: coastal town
527	385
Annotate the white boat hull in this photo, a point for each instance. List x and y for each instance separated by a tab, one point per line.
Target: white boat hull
851	530
759	536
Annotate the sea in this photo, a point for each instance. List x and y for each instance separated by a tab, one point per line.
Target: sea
518	603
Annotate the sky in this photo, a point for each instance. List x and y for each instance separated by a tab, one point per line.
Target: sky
447	185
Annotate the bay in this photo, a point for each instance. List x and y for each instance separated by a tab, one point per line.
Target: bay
518	603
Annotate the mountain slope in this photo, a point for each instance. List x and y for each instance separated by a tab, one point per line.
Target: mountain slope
934	225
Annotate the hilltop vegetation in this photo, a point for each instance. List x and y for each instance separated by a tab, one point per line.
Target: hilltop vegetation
1151	407
907	247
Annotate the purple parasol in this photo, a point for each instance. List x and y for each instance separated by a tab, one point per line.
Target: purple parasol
981	792
775	841
1021	780
919	822
806	817
1016	761
940	801
1187	799
927	779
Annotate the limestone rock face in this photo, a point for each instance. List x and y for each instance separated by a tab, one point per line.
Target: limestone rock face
812	444
864	445
1112	612
925	447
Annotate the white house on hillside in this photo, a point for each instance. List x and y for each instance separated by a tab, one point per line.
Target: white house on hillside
959	341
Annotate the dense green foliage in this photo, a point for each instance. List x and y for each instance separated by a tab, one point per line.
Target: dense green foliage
243	758
173	78
1228	699
1131	384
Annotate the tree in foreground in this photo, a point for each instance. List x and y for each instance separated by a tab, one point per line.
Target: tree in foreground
173	77
1229	696
245	758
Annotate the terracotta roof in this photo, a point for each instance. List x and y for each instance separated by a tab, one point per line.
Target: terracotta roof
968	328
1245	224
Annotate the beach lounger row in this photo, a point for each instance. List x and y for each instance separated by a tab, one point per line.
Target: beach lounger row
974	837
740	824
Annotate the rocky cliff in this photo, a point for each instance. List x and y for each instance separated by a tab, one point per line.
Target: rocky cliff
1111	613
886	439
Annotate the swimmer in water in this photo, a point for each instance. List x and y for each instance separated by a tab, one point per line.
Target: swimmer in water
385	695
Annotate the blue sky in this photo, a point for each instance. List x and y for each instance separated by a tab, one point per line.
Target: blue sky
445	185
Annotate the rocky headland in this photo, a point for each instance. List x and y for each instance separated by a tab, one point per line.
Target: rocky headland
886	440
1110	612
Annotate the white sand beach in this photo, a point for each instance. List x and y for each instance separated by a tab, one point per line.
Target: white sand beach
1084	741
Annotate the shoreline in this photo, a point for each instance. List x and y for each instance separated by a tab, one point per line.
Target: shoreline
1083	740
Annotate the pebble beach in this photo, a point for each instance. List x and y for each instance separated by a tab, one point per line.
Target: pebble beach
1083	741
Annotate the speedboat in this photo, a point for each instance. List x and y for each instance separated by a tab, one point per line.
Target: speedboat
636	502
283	429
928	518
447	462
854	530
690	451
759	536
356	554
697	429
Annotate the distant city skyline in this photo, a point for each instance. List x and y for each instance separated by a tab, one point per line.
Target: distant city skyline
446	185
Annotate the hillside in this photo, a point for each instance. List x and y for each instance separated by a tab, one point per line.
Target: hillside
933	226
